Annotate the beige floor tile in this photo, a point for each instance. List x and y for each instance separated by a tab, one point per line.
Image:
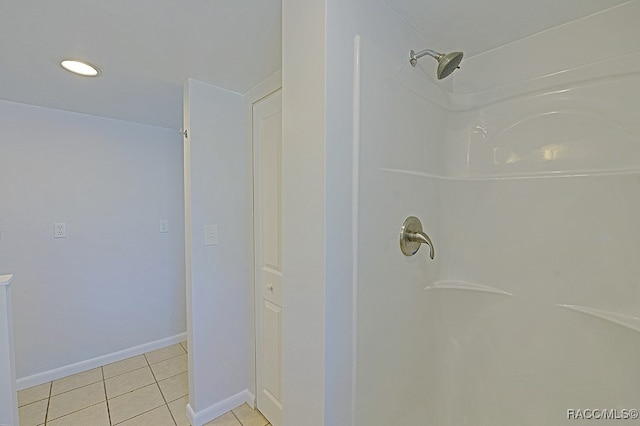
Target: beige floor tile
128	382
134	403
33	414
76	381
165	353
75	400
124	366
170	367
174	387
33	394
179	411
225	420
157	417
184	346
249	417
96	415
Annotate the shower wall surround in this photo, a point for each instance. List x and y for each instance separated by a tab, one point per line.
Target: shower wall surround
528	184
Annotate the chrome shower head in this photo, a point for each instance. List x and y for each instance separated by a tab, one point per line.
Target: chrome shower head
447	63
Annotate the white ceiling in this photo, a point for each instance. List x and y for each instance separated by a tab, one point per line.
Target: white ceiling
146	49
474	26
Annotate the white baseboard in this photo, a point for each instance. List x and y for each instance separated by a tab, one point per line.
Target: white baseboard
79	367
251	399
219	408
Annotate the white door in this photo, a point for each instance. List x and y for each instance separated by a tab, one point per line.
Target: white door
267	143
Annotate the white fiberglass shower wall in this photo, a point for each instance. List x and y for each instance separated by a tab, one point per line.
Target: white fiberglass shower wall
525	171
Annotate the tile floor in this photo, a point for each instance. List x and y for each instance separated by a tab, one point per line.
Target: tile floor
149	389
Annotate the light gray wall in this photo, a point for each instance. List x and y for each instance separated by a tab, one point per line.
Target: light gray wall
217	275
115	282
303	212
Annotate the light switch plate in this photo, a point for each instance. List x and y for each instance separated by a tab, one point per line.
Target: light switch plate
164	226
211	235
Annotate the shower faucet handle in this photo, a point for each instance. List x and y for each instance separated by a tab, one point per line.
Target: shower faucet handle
421	238
411	237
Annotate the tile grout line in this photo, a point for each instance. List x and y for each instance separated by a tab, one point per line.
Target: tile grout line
106	397
74	389
145	359
156	383
76	411
166	378
158	362
160	389
46	413
237	418
106	400
126	372
62	393
166	359
137	415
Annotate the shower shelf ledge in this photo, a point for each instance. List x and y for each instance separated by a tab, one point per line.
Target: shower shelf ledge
465	285
545	175
627	321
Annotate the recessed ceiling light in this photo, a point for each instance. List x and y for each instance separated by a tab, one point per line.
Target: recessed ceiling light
81	68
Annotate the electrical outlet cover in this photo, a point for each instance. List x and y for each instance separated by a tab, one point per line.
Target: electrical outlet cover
60	230
211	235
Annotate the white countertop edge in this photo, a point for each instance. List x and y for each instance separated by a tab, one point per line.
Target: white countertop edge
5	279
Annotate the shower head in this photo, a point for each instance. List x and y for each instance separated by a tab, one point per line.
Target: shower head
447	63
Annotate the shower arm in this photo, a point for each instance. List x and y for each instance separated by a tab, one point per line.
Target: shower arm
415	56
